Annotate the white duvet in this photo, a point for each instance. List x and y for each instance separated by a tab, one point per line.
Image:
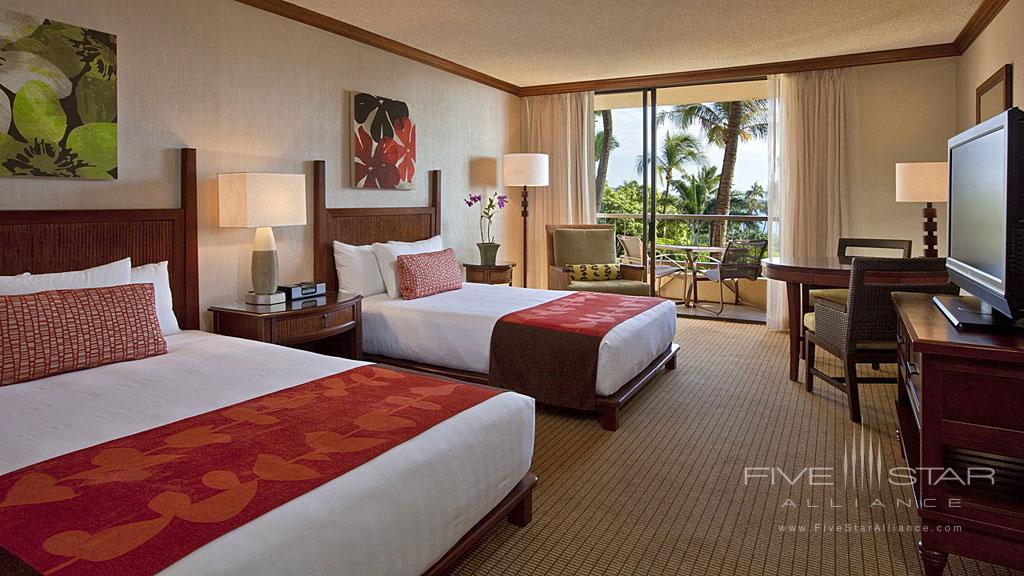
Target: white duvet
453	329
395	515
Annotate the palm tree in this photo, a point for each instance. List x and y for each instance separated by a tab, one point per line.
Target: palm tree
698	194
723	124
677	151
604	142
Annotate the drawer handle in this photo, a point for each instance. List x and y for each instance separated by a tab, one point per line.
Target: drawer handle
324	318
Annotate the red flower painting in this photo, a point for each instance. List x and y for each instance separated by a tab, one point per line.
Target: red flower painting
383	143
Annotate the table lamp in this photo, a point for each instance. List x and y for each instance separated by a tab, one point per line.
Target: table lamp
525	170
260	201
926	182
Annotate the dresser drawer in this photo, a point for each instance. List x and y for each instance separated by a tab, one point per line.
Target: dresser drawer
311	326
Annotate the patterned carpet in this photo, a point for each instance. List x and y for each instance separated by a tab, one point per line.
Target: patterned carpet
665	494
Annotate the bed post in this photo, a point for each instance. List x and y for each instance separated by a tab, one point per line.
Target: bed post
435	199
323	255
190	204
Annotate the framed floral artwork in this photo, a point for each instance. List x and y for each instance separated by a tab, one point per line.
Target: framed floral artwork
383	143
58	110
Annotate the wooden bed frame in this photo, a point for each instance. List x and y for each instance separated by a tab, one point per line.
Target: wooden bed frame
42	241
360	226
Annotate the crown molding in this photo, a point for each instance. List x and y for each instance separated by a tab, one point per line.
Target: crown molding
982	17
328	24
745	72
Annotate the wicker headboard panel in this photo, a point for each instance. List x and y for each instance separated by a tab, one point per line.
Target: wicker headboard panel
361	226
42	241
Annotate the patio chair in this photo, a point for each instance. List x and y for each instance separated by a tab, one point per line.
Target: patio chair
741	261
633	253
578	244
863	331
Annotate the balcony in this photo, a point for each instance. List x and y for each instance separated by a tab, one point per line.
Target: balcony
683	251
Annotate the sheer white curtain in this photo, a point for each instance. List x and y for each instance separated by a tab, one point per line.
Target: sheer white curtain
813	168
561	126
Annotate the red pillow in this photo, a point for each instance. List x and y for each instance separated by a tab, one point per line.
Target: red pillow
59	331
428	273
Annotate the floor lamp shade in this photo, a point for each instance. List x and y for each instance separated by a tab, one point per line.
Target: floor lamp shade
925	182
525	170
260	201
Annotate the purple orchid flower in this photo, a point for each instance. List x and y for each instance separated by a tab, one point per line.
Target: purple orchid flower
473	199
502	200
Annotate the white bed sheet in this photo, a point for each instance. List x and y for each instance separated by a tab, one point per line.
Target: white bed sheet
453	329
397	514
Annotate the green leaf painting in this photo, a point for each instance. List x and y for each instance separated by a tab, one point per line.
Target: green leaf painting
58	109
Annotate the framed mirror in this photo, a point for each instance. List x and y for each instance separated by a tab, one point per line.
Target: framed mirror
994	95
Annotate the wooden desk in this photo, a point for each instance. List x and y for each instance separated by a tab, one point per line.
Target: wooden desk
960	405
800	274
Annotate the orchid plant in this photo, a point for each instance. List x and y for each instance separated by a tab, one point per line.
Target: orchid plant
488	210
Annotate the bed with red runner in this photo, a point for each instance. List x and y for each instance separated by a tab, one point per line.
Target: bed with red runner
138	504
550	351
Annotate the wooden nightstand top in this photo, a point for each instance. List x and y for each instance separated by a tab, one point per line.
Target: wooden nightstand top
496	266
328	301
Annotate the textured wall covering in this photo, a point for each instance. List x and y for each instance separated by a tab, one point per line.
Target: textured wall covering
907	112
1001	43
256	92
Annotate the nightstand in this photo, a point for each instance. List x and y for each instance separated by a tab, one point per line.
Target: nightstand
330	324
499	273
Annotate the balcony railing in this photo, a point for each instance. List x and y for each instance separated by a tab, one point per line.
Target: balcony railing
695	219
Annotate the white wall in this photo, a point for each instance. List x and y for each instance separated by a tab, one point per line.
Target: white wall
907	112
256	92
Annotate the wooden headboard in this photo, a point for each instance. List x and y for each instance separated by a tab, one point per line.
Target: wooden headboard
42	241
361	226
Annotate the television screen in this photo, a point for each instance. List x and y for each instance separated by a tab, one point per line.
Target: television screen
977	206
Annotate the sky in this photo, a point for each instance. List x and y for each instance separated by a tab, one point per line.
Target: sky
627	126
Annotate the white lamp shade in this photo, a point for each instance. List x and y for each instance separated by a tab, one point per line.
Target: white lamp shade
525	170
922	182
253	200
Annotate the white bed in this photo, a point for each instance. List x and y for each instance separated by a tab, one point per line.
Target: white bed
453	330
397	514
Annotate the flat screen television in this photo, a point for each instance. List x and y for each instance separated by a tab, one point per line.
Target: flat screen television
986	221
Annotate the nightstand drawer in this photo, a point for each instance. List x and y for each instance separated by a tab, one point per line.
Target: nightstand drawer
311	326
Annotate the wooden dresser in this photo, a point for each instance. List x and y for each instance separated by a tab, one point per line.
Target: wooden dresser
961	417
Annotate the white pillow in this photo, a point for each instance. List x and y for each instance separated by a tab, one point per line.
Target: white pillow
113	274
387	258
358	271
156	274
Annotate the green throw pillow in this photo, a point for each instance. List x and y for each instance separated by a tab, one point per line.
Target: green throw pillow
591	272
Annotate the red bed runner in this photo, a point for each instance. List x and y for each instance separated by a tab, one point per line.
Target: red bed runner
550	351
138	504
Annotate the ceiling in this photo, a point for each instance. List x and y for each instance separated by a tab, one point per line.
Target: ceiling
532	42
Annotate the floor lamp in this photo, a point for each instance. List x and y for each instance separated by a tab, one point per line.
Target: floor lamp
525	170
926	182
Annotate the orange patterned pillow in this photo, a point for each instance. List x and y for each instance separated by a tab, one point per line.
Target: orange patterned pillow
59	331
428	273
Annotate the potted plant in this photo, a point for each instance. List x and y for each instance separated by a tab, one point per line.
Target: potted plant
489	208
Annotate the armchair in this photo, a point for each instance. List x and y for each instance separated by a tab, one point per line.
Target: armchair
863	330
569	244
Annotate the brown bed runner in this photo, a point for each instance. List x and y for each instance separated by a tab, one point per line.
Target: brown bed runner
550	351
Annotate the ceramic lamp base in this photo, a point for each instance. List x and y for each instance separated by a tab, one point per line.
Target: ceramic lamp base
264	262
